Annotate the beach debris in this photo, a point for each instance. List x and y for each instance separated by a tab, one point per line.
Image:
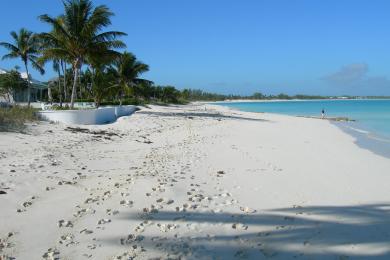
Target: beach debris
66	182
144	141
97	133
86	231
2	192
247	210
220	173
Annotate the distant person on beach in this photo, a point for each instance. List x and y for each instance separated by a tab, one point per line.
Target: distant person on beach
322	113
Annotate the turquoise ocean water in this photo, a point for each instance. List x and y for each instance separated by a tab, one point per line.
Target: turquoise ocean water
372	116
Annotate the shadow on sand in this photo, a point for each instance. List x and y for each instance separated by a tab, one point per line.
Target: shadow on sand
318	232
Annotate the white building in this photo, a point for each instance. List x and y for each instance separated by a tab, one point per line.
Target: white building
38	89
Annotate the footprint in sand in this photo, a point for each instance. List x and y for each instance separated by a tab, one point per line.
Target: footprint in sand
239	226
51	254
104	221
152	209
141	227
26	204
127	203
5	244
67	240
65	223
92	200
112	212
83	211
131	238
167	227
167	201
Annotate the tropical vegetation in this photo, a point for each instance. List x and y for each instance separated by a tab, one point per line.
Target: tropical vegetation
14	118
25	46
10	82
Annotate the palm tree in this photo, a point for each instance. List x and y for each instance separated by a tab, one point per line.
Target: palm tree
78	35
25	47
127	70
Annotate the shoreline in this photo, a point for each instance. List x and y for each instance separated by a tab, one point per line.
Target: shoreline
185	181
364	139
288	100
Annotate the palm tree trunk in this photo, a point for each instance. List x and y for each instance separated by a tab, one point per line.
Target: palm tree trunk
50	97
75	76
80	90
63	66
59	88
28	84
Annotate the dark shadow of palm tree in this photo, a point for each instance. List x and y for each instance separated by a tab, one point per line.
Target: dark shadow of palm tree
317	232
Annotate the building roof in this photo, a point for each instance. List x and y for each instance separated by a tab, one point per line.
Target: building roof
34	83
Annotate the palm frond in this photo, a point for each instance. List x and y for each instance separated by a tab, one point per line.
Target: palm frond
9	46
37	66
108	36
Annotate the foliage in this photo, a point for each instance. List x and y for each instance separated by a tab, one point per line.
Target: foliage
200	95
129	101
26	47
126	69
9	82
66	107
77	37
100	84
14	118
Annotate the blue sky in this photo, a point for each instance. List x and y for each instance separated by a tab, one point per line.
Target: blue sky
330	47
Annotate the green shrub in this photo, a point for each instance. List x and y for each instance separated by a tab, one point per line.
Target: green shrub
66	107
14	118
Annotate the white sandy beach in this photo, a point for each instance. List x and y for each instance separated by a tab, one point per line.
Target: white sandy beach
185	182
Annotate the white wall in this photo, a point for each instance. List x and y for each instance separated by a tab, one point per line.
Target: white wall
98	116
